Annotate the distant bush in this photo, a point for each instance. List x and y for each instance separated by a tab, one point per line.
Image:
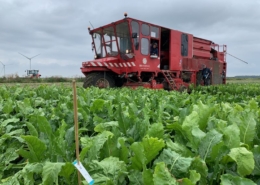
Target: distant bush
16	79
55	79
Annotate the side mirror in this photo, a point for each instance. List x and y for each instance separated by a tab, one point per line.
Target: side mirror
92	45
134	35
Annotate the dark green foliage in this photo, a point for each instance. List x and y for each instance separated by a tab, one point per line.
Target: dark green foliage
142	136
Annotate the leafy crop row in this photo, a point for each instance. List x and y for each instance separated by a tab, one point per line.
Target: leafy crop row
128	136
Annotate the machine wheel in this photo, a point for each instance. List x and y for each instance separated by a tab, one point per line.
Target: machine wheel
101	80
183	89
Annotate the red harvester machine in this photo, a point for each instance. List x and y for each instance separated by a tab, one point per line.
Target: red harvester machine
122	57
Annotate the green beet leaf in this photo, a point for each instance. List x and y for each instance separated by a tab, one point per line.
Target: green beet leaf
123	119
111	146
228	179
139	158
231	136
186	181
12	180
104	126
247	124
29	171
33	131
8	156
135	178
148	177
145	151
200	167
192	180
6	122
204	112
123	150
244	159
156	130
97	105
177	165
194	176
192	131
179	148
109	171
152	146
43	125
163	176
8	106
36	149
59	143
208	142
179	133
50	173
218	164
98	142
66	170
247	129
256	152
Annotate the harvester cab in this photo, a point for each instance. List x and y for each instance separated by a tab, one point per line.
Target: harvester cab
33	73
134	53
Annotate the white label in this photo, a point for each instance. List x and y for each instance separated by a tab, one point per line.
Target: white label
83	172
144	61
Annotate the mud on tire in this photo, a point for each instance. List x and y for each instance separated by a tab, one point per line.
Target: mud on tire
97	79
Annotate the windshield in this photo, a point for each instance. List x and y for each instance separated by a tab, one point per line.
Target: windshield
123	37
106	41
105	46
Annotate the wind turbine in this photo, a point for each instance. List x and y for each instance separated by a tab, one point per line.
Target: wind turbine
4	66
30	58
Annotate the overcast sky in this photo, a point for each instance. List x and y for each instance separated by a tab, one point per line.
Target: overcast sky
58	30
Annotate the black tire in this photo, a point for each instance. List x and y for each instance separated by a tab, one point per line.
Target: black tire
97	79
183	89
166	85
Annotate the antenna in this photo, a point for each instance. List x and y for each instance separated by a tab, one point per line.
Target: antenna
4	66
91	25
237	58
29	58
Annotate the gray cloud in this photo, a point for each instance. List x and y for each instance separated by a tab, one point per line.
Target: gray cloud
58	29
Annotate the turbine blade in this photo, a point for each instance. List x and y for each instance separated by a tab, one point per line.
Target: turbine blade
35	56
2	63
24	56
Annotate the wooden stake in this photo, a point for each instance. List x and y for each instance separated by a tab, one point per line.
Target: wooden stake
75	106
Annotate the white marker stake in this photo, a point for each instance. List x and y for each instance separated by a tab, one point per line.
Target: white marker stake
83	172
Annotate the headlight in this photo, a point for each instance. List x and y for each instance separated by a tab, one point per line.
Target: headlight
95	56
127	51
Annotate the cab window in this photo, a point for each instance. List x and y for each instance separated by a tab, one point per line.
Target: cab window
145	46
135	34
154	32
145	29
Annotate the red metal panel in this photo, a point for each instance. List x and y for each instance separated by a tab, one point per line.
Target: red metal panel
190	49
175	50
201	48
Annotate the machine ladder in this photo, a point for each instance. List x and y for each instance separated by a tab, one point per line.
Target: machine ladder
169	79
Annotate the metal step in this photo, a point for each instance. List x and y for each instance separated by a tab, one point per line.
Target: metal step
169	79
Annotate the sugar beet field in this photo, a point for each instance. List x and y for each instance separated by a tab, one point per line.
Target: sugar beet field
135	137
